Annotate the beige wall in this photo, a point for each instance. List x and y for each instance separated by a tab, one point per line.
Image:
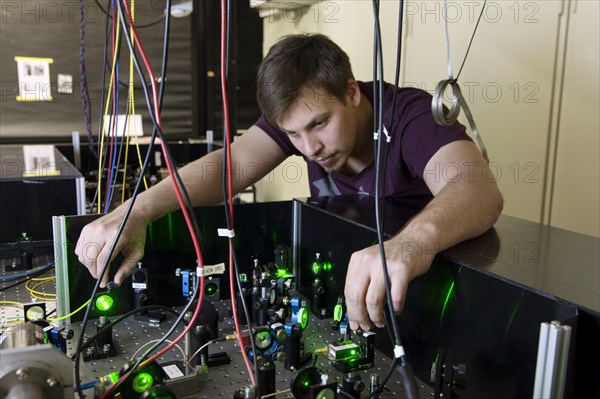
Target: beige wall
543	145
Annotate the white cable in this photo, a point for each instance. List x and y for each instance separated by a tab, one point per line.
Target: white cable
450	74
156	340
458	101
196	353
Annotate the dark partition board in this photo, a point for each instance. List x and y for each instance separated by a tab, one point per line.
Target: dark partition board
258	228
51	29
483	300
480	300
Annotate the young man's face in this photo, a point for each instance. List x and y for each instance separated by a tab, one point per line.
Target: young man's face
324	129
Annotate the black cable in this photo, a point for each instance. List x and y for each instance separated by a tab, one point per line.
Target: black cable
226	191
471	41
128	373
385	380
405	370
114	162
133	198
346	394
379	130
120	154
167	155
32	275
101	117
394	95
142	26
145	83
125	316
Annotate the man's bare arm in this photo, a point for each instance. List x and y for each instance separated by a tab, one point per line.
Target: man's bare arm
203	181
467	203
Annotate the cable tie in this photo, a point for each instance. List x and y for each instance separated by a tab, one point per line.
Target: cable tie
387	135
398	351
226	233
199	271
375	136
214	269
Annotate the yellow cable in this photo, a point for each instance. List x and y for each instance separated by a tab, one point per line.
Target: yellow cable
131	113
11	303
110	86
42	278
70	314
41	298
39	294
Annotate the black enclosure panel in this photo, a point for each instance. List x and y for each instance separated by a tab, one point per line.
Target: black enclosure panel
482	301
27	204
259	228
192	102
51	29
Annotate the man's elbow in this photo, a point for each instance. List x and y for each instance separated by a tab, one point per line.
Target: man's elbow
496	205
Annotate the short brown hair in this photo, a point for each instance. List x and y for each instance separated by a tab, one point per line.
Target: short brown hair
296	62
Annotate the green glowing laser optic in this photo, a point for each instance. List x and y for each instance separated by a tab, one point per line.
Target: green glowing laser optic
303	317
211	288
142	382
338	312
104	303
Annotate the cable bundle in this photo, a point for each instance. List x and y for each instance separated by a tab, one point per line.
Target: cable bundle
122	15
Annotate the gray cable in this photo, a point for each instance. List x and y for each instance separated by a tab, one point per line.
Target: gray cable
458	101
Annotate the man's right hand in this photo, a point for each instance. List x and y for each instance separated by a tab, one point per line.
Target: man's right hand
94	244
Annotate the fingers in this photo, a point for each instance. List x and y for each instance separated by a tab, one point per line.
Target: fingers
130	262
398	290
87	253
365	290
92	250
357	287
375	300
101	260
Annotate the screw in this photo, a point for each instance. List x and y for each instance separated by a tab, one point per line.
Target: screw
106	348
52	382
281	357
281	335
22	374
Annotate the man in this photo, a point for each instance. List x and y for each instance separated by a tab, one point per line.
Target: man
312	106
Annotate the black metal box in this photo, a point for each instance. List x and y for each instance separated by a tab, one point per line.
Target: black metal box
29	198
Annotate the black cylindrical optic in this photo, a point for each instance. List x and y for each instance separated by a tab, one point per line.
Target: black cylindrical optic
266	379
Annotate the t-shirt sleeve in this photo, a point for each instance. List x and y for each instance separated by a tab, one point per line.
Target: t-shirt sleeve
421	136
280	138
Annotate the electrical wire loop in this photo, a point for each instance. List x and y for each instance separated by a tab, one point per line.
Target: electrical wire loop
458	102
437	104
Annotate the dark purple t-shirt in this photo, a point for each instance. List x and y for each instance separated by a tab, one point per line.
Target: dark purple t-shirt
416	137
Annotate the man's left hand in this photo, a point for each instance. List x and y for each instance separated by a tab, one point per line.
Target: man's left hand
365	286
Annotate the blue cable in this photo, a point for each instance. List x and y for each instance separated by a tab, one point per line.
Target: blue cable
113	165
26	274
87	385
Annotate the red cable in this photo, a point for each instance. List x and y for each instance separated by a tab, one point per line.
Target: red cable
111	126
230	187
140	48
